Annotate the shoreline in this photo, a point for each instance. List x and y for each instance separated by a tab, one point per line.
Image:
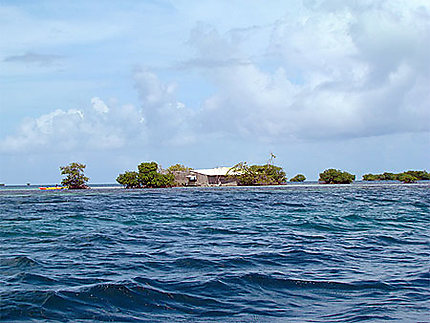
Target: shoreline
102	187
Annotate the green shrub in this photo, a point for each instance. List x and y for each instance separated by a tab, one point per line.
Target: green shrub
420	175
335	176
178	167
407	178
258	174
147	176
75	176
129	180
298	178
417	174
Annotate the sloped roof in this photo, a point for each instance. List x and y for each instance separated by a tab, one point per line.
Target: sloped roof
219	171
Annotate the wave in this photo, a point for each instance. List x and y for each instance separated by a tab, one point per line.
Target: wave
29	278
228	296
262	254
18	262
273	281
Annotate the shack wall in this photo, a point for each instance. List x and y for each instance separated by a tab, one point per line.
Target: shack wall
222	180
182	179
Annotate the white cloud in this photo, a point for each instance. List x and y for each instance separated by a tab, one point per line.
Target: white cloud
351	71
329	70
167	120
160	120
97	128
99	105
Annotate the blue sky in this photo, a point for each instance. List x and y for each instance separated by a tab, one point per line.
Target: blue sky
320	83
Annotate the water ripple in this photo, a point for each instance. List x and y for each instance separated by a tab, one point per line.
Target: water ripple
295	253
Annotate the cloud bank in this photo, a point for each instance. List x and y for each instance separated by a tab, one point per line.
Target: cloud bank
334	70
160	119
352	71
96	127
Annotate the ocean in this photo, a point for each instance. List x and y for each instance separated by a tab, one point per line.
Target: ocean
294	253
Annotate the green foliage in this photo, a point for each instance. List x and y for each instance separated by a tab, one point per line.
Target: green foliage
269	173
129	180
148	175
163	180
407	178
389	176
372	177
178	167
420	175
298	178
380	177
417	174
335	176
257	174
75	176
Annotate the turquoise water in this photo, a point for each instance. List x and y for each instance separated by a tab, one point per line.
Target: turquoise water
295	253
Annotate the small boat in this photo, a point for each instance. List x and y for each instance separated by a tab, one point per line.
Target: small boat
51	188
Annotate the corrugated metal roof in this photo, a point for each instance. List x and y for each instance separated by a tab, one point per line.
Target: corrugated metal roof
219	171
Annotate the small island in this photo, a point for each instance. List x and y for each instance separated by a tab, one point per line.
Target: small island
336	176
410	176
151	175
298	178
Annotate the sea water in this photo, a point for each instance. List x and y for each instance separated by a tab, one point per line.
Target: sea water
317	253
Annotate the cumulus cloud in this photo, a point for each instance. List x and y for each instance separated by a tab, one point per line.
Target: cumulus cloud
166	119
94	128
159	120
99	105
350	70
334	69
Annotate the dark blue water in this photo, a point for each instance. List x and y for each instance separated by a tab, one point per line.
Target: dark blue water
296	253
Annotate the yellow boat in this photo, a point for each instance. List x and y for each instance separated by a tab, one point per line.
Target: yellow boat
51	188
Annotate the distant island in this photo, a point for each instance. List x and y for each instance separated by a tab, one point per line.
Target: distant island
151	175
298	178
336	176
410	176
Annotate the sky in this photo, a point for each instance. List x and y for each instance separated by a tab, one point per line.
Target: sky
319	83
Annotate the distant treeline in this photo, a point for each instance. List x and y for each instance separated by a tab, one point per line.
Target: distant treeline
409	176
150	174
